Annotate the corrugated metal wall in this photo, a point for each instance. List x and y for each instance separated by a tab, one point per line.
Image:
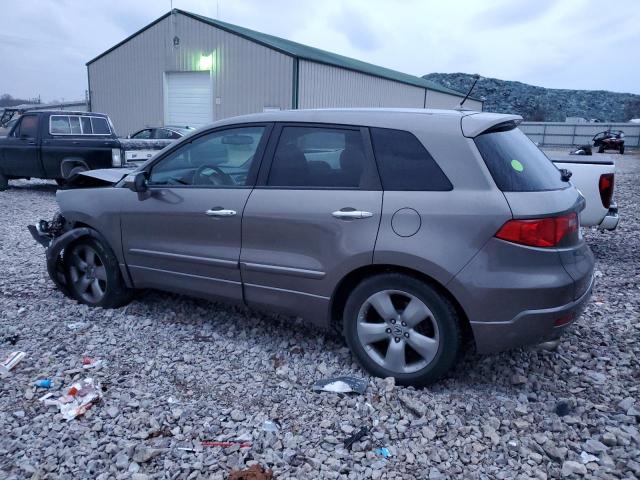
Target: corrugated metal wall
568	134
127	83
446	101
325	86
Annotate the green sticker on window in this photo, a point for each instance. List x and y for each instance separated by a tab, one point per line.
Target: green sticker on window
517	166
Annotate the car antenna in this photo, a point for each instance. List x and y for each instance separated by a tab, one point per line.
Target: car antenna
477	77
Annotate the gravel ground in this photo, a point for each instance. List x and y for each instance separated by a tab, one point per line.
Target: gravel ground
179	371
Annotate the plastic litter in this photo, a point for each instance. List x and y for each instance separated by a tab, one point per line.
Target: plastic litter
364	431
79	398
77	325
226	444
88	362
44	383
11	361
341	385
383	451
270	426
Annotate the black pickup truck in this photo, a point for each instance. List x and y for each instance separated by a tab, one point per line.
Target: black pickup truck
58	145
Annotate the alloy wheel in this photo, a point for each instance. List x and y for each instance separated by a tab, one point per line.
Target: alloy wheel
398	331
88	274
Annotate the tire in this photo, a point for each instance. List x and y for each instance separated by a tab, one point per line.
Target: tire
61	182
621	149
601	149
93	276
4	183
374	340
75	171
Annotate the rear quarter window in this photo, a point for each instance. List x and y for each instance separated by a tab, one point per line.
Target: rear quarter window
516	163
405	164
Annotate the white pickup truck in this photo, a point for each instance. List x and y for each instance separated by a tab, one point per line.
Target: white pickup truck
594	177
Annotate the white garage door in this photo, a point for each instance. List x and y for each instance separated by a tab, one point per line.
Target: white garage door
188	99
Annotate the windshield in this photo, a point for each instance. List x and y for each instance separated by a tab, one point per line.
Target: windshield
516	163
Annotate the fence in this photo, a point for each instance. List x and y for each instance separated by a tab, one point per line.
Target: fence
567	134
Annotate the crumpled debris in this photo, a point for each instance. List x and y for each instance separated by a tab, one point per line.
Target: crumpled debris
359	435
383	451
88	362
341	385
11	361
254	472
79	398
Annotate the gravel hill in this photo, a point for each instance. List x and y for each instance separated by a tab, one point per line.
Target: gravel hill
179	371
544	104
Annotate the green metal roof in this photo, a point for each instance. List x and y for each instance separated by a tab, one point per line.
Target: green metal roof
304	52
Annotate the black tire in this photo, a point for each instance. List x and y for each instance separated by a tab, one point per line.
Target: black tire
75	171
4	183
443	323
621	149
601	149
103	271
61	182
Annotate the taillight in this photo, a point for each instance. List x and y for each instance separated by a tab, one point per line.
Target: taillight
605	185
540	232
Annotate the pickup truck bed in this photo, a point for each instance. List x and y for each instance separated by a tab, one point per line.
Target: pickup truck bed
594	177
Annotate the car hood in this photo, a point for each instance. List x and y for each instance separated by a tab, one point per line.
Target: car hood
104	176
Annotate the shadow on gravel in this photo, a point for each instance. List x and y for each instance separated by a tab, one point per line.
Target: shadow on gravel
33	187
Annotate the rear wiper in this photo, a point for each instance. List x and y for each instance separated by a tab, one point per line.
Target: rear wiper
565	174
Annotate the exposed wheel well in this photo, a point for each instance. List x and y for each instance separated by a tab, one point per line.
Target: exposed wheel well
348	283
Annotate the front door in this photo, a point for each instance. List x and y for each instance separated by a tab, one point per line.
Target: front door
183	233
312	218
21	149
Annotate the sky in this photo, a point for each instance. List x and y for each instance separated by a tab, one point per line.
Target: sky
577	44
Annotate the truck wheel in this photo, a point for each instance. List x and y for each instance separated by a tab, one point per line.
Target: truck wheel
75	171
4	183
621	149
93	275
398	326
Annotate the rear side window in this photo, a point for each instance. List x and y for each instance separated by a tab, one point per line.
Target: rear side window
516	164
405	164
318	157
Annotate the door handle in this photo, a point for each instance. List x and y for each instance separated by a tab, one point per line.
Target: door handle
349	214
220	212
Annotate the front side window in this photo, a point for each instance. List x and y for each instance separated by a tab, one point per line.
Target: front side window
219	159
28	127
142	134
405	164
164	134
100	126
318	157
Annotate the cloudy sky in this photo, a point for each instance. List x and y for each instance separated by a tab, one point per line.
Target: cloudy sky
585	44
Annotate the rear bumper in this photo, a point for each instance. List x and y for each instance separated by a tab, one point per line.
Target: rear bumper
529	327
611	219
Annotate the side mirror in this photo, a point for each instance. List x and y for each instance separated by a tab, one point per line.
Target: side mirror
136	182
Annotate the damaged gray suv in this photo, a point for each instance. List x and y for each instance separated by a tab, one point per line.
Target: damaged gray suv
408	230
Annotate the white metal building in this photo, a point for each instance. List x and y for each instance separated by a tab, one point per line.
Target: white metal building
186	69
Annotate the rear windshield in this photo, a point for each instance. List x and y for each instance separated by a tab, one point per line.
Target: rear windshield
516	163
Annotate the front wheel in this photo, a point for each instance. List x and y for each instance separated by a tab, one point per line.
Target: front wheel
93	275
398	326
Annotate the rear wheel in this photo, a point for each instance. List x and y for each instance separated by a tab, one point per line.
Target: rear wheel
75	171
93	275
398	326
601	149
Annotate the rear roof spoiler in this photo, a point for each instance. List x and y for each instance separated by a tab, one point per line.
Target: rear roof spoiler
475	124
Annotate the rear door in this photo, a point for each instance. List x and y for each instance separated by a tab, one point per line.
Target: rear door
183	233
312	218
21	149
